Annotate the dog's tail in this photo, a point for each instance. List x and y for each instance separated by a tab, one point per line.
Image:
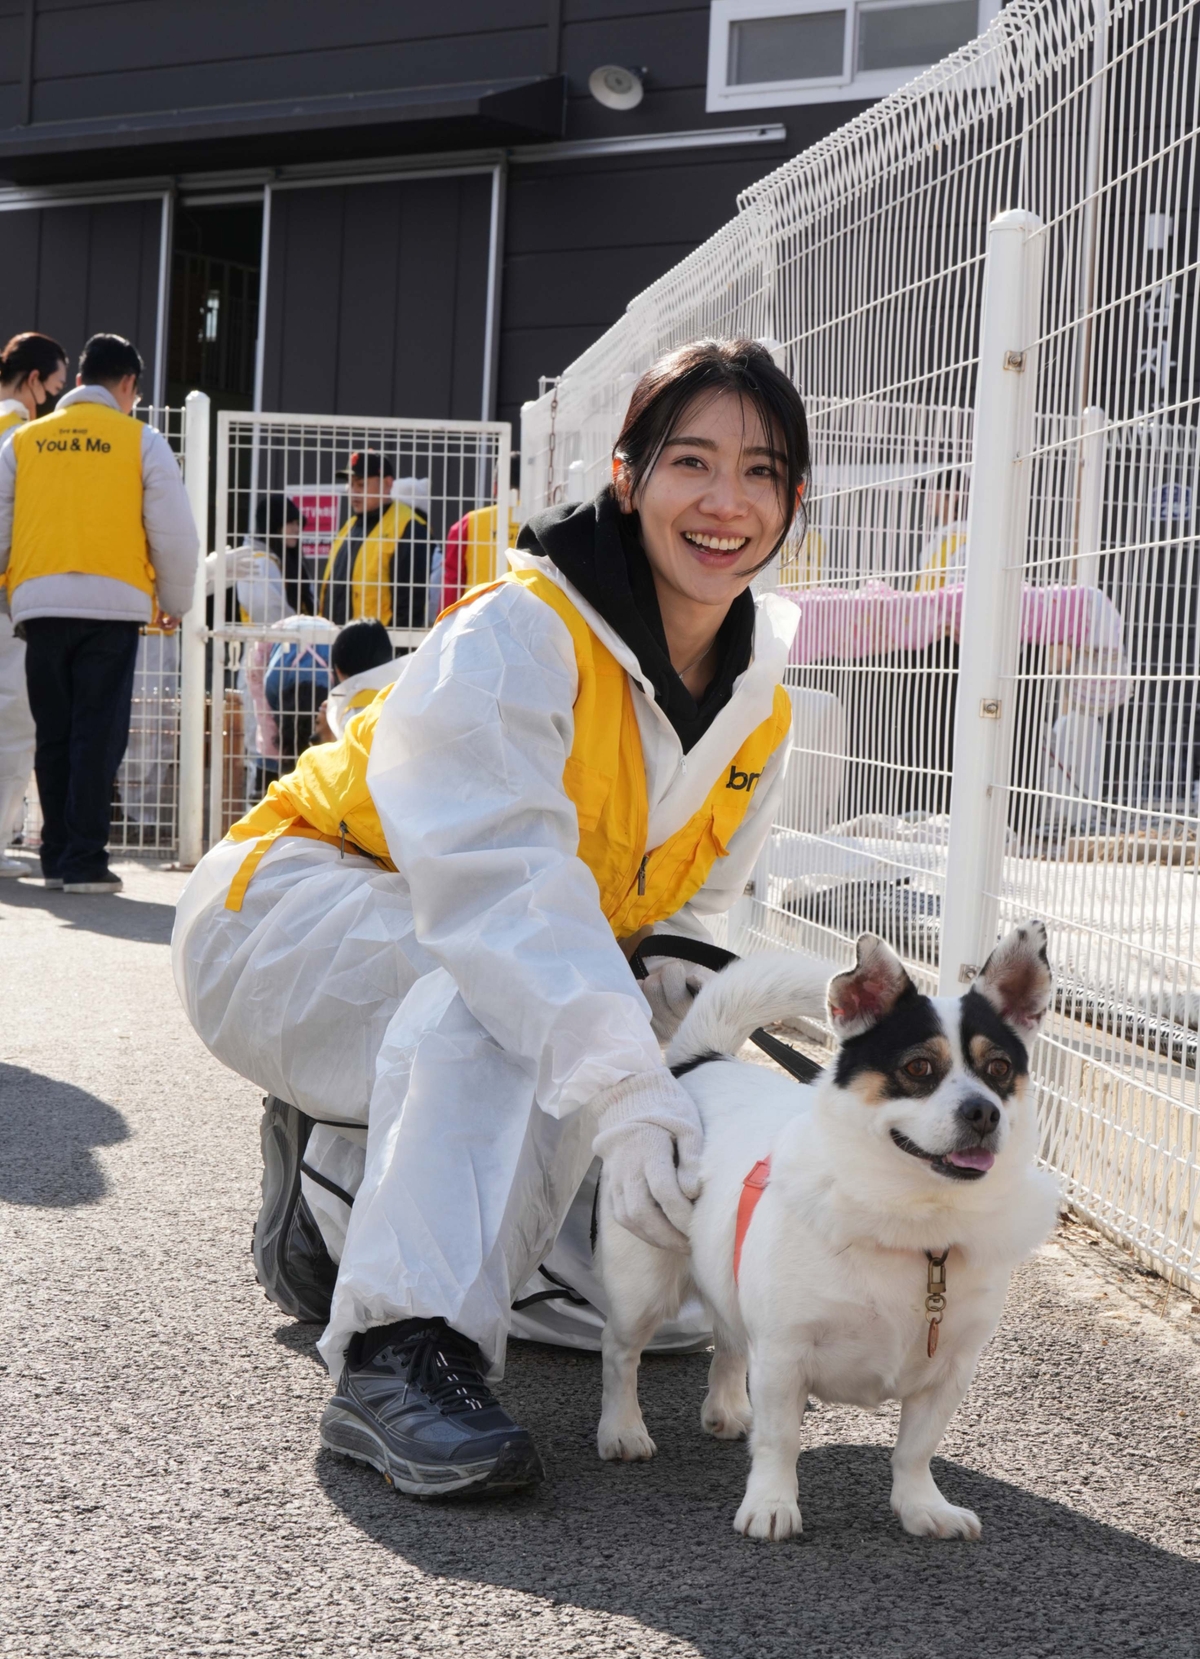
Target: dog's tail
759	990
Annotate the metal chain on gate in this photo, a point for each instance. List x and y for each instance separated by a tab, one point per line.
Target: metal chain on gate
550	443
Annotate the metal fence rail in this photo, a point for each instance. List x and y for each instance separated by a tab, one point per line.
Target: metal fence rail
996	669
302	549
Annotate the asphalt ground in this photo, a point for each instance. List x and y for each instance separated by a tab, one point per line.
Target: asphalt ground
162	1491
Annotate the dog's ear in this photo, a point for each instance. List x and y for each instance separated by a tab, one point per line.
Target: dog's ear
870	990
1016	978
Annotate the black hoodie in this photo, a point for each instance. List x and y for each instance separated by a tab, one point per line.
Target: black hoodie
599	550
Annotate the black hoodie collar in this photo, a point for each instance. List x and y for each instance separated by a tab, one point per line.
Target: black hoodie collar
598	548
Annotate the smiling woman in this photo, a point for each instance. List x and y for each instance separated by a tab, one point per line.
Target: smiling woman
422	931
714	458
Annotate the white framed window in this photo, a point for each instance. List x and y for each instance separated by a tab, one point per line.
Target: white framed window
764	53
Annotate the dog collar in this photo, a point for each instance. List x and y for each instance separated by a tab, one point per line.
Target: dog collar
935	1296
753	1188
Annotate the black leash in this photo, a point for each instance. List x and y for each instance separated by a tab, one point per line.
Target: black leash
711	956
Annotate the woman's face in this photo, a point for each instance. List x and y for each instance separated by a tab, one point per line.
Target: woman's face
710	508
50	387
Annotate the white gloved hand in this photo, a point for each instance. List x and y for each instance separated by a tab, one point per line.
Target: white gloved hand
670	991
651	1138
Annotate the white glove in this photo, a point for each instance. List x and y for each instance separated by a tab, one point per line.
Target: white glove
670	991
646	1123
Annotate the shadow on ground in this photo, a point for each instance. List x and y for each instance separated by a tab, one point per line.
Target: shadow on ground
47	1132
653	1542
115	916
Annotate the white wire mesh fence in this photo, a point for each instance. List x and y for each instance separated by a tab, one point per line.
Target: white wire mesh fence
321	522
862	262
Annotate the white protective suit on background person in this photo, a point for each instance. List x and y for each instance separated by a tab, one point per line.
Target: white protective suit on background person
462	1012
353	694
17	733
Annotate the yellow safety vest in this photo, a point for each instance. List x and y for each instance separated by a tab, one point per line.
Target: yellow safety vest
483	560
327	799
78	507
936	573
7	422
371	574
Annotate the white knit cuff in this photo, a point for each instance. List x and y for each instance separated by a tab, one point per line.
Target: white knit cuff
651	1097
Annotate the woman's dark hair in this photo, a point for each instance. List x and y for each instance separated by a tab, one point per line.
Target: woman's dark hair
27	354
706	367
273	512
361	645
108	358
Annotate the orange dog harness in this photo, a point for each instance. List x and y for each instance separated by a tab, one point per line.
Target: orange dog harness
753	1188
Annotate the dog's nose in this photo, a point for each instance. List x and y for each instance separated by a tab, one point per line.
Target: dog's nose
980	1115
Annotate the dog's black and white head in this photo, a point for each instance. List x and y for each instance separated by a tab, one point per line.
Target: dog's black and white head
939	1083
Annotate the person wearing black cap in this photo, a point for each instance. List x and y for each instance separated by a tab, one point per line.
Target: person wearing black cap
378	565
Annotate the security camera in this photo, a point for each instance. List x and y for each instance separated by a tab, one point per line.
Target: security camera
616	88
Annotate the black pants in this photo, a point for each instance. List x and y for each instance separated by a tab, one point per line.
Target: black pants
80	679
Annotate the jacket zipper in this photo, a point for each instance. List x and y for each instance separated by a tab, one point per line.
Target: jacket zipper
641	882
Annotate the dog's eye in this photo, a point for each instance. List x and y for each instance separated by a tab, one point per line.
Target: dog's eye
998	1068
918	1069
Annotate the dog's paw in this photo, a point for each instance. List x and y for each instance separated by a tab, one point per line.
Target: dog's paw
624	1442
726	1420
938	1520
773	1519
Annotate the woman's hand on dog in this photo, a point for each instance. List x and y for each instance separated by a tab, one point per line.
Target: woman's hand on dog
650	1137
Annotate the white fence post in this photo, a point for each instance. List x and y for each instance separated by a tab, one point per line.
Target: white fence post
192	639
989	638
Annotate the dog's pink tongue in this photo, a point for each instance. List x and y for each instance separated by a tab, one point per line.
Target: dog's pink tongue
976	1157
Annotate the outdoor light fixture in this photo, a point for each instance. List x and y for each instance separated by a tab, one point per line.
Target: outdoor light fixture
616	88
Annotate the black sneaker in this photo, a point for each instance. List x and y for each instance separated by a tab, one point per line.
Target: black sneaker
291	1262
413	1404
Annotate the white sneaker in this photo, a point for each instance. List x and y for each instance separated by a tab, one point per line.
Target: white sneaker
15	867
112	884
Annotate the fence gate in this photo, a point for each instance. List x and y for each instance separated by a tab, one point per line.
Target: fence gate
302	548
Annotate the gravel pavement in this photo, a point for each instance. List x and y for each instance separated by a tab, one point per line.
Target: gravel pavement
162	1492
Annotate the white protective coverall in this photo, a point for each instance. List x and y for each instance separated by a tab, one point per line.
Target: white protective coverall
338	708
465	1010
17	734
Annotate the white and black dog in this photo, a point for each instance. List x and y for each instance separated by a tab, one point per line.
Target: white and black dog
853	1239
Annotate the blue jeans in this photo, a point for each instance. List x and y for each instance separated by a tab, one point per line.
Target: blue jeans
80	679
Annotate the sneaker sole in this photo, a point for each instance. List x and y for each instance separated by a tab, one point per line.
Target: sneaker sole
515	1469
92	886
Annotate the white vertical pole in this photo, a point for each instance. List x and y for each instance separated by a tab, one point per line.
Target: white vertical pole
989	642
1092	452
491	323
191	640
162	320
216	718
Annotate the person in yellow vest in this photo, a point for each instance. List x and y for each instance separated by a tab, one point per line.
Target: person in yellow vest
379	562
33	371
95	528
419	937
943	559
474	553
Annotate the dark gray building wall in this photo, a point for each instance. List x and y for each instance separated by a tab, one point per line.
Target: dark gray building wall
376	298
376	291
74	271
